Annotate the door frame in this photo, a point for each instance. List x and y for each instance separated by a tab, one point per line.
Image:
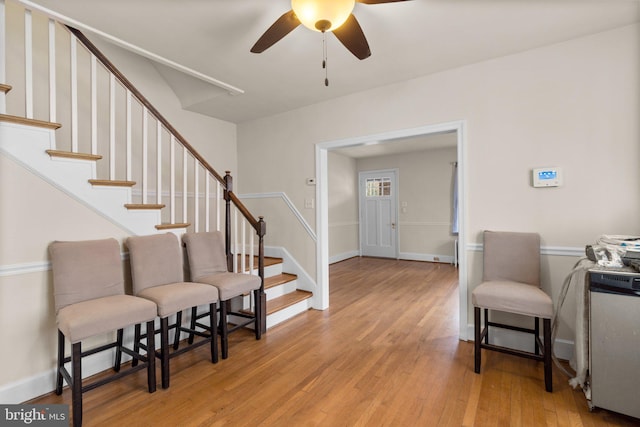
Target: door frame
396	232
321	297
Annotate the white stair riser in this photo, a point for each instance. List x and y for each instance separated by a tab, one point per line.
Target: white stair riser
287	313
283	289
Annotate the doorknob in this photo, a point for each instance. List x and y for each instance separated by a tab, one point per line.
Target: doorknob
393	225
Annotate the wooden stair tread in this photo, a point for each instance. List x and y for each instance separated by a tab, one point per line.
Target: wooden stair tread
112	183
172	226
279	279
72	155
140	206
287	300
5	88
31	122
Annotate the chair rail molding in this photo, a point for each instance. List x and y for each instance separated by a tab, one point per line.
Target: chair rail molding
290	205
572	251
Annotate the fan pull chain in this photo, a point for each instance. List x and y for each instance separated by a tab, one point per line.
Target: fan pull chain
324	58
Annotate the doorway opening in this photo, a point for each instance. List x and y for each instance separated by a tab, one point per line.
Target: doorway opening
378	213
391	138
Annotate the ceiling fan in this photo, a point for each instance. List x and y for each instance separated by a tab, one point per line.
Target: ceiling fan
324	16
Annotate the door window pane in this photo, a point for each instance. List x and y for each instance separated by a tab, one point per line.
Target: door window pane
378	187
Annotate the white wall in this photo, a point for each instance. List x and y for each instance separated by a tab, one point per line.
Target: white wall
574	105
343	207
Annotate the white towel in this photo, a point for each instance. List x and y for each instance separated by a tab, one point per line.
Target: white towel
577	278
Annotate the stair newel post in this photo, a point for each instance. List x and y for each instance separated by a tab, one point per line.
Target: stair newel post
228	188
261	304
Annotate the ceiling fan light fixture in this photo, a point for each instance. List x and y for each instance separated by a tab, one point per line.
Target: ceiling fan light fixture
322	15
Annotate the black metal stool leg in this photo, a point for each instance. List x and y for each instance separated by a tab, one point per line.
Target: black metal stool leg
214	332
476	344
548	351
224	329
486	325
536	328
136	342
59	377
176	336
118	361
164	351
194	319
76	386
151	355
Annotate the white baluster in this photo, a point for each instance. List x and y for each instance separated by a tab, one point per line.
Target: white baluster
243	249
172	181
184	184
196	196
207	178
145	138
74	93
112	127
218	204
251	250
94	105
28	64
159	162
128	136
235	240
52	72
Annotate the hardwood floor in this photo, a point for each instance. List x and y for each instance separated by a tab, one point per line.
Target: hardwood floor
386	353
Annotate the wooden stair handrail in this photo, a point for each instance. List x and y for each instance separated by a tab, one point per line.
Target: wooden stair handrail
257	225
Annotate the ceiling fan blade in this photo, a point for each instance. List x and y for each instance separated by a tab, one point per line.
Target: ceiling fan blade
351	36
283	26
378	1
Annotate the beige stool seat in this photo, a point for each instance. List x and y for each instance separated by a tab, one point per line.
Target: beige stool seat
513	297
231	285
97	316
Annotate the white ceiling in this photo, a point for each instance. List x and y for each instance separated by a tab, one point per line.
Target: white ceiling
408	40
433	141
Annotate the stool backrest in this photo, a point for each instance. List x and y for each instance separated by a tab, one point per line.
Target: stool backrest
512	256
85	270
155	260
206	253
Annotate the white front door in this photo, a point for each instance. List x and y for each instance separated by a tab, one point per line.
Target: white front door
378	213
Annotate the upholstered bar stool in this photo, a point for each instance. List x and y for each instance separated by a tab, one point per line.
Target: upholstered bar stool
157	275
208	264
511	284
88	284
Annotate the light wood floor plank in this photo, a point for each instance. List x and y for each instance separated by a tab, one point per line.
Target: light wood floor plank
385	353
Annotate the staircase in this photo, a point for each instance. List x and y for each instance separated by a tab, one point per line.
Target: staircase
166	186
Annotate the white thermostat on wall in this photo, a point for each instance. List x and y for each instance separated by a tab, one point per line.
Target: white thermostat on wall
547	177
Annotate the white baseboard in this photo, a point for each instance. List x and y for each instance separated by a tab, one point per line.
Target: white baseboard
563	349
29	388
409	256
45	382
341	257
